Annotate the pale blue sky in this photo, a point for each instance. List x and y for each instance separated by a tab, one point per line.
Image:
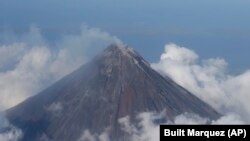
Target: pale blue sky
210	27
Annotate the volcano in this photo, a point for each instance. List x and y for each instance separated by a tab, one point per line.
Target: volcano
116	83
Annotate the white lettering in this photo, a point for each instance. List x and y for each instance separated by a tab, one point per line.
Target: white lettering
208	134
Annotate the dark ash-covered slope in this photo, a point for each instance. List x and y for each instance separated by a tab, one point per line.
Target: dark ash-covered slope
116	83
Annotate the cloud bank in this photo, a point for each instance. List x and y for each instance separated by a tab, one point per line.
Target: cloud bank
30	63
148	130
207	79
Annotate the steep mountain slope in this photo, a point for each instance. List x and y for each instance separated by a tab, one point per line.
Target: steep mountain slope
116	83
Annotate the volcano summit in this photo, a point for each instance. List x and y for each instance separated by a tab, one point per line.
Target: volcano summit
116	83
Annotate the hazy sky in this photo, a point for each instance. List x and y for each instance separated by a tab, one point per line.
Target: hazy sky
210	27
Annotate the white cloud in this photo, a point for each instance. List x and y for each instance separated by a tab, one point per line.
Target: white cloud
208	79
30	64
179	54
7	131
13	134
10	54
229	119
191	119
87	136
145	131
56	107
148	130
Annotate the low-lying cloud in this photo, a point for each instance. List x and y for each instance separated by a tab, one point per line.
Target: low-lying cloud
148	130
8	132
30	63
87	136
208	79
